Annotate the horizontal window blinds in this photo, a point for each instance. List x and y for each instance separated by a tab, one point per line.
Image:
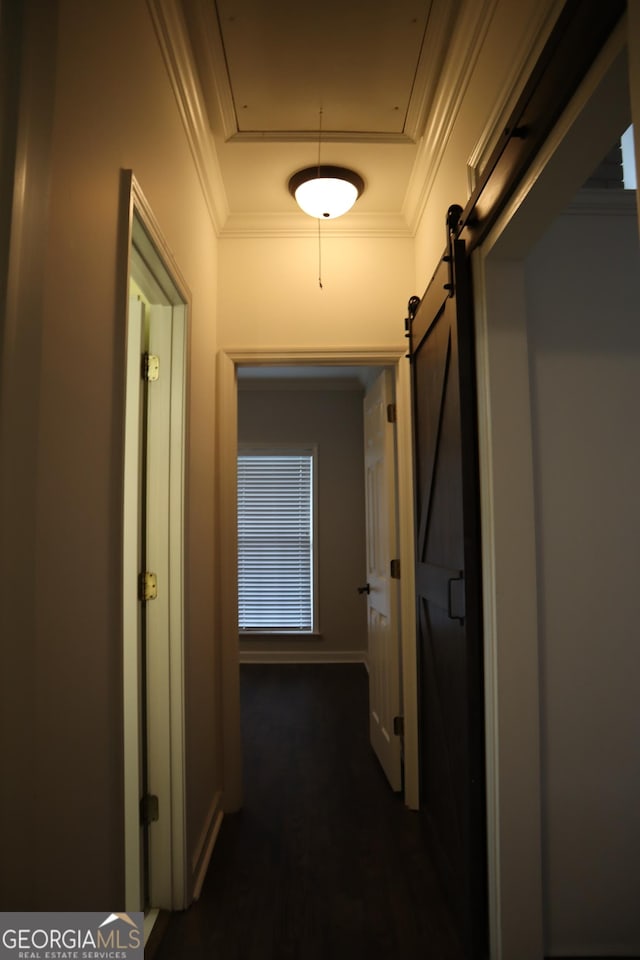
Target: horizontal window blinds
275	548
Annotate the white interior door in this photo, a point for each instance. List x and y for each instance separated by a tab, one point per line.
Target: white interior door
382	595
153	543
157	610
134	774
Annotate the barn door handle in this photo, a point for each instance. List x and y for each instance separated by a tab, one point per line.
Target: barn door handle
365	589
456	601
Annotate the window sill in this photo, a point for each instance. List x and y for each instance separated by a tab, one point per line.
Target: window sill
279	634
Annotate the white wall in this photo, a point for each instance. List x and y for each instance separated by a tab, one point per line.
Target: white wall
331	419
269	294
109	101
105	103
583	291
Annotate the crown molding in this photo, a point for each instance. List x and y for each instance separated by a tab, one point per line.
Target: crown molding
438	33
212	65
257	356
298	224
174	44
468	37
526	55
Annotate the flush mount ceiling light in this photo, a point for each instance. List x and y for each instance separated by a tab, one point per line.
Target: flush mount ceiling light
325	192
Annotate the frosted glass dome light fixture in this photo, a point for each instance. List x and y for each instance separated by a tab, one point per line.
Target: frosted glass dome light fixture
325	192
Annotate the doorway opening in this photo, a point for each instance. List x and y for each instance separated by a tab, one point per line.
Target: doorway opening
153	565
329	541
235	368
535	350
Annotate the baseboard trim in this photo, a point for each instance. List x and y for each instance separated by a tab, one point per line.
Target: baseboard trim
300	656
616	953
204	849
155	925
150	918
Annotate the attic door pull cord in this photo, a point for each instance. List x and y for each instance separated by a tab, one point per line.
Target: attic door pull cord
319	221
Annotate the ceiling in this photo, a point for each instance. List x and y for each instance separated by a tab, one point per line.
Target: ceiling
295	376
351	81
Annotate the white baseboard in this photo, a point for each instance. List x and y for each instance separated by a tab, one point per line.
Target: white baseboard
206	843
303	656
150	918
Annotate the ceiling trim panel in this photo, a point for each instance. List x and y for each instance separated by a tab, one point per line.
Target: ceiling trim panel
206	40
208	44
439	31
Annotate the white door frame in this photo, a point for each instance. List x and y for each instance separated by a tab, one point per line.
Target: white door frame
166	764
383	620
228	360
577	144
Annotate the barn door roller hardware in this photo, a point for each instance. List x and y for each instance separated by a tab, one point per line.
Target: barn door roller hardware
452	223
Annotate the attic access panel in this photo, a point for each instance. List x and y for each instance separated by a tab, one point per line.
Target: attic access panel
358	60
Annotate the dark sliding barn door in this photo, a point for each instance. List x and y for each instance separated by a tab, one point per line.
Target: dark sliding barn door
449	592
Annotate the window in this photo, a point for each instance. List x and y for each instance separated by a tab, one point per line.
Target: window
628	160
275	539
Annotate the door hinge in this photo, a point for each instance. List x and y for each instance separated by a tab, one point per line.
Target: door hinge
150	367
394	571
398	726
392	413
149	809
147	586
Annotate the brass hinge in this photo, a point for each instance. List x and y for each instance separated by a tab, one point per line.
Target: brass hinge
394	571
392	413
398	726
149	809
147	586
150	367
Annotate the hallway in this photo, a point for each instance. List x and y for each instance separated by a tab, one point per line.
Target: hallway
324	861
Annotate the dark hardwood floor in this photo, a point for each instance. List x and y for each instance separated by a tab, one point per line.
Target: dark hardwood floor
324	862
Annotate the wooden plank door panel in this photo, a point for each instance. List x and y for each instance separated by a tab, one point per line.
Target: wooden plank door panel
448	595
